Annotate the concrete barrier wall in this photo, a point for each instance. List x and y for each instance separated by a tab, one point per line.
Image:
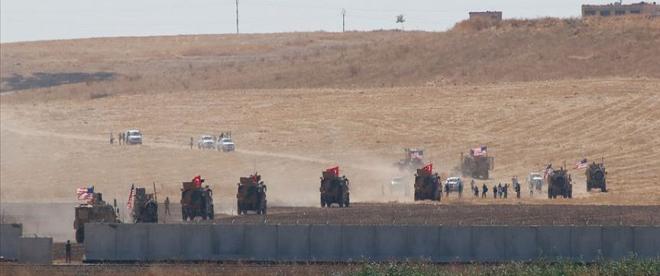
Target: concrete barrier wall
331	243
35	250
9	236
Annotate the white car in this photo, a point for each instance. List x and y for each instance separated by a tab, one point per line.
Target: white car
226	144
535	181
133	137
206	142
454	184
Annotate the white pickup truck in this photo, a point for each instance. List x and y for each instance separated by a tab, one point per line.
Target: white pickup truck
226	144
133	137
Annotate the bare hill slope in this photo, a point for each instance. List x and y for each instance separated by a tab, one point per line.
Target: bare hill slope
514	50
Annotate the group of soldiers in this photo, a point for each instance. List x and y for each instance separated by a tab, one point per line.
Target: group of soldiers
499	190
121	140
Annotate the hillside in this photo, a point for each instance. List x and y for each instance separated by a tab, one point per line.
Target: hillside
512	51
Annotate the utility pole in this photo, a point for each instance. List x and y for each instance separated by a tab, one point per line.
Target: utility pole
237	32
343	20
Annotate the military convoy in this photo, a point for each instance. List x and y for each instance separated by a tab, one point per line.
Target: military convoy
95	210
596	177
196	201
145	207
334	189
251	195
559	183
477	163
428	185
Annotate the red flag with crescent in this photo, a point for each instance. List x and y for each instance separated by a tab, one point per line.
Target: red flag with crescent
428	168
334	171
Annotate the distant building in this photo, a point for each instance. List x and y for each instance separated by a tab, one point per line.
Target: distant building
617	9
487	15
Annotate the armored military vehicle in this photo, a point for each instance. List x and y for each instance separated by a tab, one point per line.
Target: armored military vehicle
559	183
596	177
251	195
196	201
428	186
96	210
477	163
145	207
334	189
413	159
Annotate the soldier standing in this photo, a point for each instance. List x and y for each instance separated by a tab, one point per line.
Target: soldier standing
191	142
167	205
484	191
494	191
517	190
112	138
67	251
506	190
122	138
447	190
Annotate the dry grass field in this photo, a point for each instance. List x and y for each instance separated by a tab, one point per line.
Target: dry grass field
536	92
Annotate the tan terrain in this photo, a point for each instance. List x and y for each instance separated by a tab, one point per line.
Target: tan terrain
536	92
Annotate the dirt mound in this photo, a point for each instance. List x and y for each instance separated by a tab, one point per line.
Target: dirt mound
513	50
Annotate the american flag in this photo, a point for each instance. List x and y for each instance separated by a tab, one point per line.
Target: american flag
85	194
479	151
129	203
581	164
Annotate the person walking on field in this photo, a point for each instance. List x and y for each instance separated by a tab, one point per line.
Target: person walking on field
112	138
121	138
191	142
67	252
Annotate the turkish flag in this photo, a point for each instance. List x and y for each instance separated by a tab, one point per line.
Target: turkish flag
334	171
428	168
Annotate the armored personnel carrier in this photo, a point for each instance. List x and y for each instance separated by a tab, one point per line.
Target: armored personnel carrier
251	195
145	207
477	163
596	177
96	210
334	189
559	183
413	159
428	185
196	201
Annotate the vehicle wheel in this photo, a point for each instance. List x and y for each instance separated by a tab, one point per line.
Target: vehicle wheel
80	235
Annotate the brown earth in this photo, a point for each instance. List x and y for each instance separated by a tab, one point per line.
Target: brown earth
458	214
511	51
536	92
51	148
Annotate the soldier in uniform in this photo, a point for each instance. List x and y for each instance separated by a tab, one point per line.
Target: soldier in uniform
517	190
67	251
191	142
494	191
167	206
484	191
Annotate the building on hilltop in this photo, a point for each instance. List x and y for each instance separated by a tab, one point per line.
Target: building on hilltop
487	15
618	8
